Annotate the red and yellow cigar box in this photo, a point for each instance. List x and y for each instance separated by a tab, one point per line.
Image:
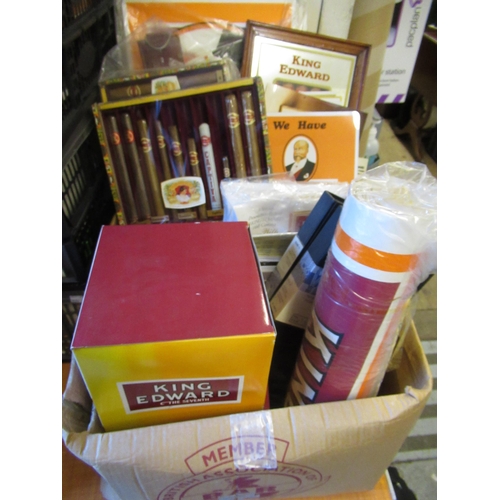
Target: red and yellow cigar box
174	325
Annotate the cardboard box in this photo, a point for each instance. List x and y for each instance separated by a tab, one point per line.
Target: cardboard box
316	227
321	449
405	35
370	23
174	324
270	248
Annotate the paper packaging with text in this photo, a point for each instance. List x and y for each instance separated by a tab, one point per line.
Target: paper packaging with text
328	143
174	324
313	450
384	246
405	36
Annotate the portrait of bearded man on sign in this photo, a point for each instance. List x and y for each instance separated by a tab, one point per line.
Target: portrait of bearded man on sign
302	167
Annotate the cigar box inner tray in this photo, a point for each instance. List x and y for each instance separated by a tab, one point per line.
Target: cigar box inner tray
166	154
164	80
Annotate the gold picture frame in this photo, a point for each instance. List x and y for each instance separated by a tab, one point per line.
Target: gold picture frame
328	68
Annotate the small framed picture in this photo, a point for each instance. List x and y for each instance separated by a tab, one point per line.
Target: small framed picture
327	68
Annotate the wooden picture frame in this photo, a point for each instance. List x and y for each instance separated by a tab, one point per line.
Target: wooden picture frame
328	68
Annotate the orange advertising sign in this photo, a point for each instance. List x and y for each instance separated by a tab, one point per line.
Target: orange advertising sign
319	145
186	12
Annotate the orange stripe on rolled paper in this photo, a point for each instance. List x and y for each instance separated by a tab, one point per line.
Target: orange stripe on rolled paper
376	259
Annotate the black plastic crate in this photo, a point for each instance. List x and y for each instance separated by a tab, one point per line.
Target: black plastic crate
78	249
71	302
84	46
76	10
82	171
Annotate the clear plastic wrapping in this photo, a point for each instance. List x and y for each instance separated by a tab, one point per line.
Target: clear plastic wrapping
130	14
274	203
383	247
157	58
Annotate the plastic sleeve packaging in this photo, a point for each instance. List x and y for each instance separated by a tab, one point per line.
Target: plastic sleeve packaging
130	14
252	436
383	247
274	203
155	45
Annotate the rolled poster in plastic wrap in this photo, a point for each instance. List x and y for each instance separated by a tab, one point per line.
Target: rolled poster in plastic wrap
383	247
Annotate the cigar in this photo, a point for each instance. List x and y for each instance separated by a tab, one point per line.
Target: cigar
142	194
195	166
165	163
121	169
176	150
162	148
210	169
251	132
233	118
147	152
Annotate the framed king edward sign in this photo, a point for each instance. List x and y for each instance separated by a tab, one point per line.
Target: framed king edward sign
327	68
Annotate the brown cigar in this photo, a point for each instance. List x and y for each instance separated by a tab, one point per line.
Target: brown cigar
165	162
233	118
142	194
195	166
251	132
176	150
162	148
147	152
122	173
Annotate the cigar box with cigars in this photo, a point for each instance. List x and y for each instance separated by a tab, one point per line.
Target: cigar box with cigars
165	80
174	324
166	154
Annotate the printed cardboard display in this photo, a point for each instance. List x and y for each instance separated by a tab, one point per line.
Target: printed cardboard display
174	324
313	450
328	142
405	36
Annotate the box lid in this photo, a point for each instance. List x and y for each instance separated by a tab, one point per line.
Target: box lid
153	283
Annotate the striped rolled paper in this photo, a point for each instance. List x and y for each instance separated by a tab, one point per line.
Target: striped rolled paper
373	267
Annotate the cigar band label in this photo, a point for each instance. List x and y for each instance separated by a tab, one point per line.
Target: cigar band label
164	84
133	91
205	141
193	158
249	117
234	120
167	394
129	136
115	137
176	148
183	192
161	141
146	145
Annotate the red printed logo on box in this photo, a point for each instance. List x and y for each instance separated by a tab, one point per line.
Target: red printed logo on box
164	394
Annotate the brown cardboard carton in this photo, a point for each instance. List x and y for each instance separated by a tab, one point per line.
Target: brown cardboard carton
310	450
